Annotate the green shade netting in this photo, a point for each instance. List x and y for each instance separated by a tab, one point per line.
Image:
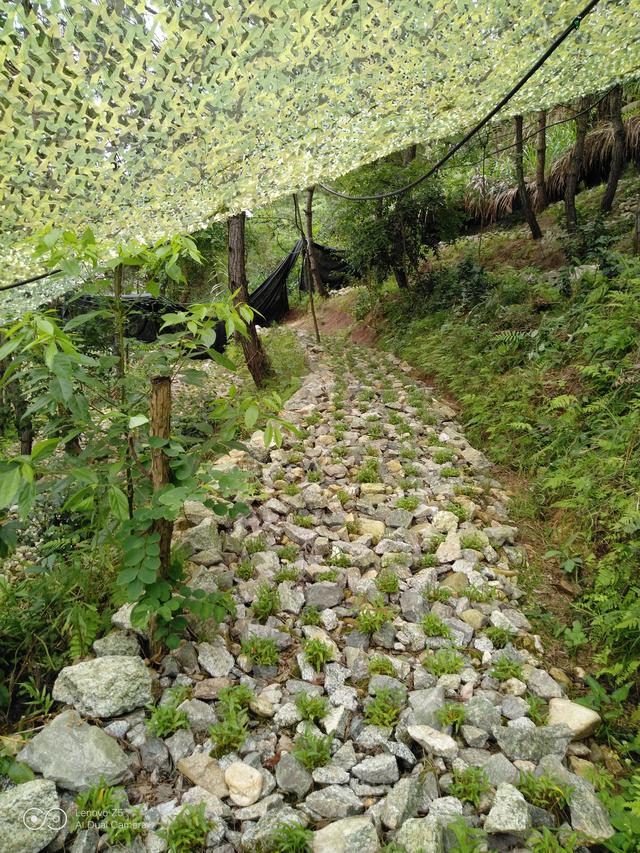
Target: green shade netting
143	119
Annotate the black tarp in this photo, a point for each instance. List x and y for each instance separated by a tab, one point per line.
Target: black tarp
333	267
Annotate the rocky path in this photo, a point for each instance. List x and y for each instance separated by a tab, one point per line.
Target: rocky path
379	684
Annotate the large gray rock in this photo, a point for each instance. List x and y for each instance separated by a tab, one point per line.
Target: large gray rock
421	835
117	643
378	770
479	712
258	837
433	741
349	835
203	537
499	769
335	801
426	704
401	802
292	777
216	660
105	687
533	744
509	813
30	817
74	754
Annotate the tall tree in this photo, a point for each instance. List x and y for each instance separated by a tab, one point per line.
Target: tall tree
254	354
316	278
523	192
617	153
541	156
575	165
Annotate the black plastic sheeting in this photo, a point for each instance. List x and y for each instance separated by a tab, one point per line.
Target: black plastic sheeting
143	313
335	271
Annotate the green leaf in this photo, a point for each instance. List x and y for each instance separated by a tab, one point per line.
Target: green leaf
118	503
44	448
251	416
10	482
138	420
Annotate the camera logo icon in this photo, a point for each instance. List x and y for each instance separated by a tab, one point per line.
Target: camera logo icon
39	819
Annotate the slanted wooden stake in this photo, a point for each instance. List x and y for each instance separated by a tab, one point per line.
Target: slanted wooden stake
313	261
523	192
160	427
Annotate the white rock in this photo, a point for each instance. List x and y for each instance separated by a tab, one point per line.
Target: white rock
582	721
438	743
244	783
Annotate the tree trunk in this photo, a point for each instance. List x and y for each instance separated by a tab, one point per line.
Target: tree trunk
306	266
523	192
575	166
409	154
541	156
160	427
617	154
316	279
254	354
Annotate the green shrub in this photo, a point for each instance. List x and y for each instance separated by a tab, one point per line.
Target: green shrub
266	603
451	714
288	553
438	593
290	838
449	472
545	793
483	593
380	666
238	695
442	456
287	573
245	570
384	709
291	489
499	636
433	626
444	662
313	751
261	650
306	521
310	615
469	785
505	668
387	581
255	544
165	720
473	541
538	709
311	707
409	502
231	730
372	616
316	653
341	561
187	833
330	576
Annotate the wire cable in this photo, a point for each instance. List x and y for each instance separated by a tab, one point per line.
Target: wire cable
574	25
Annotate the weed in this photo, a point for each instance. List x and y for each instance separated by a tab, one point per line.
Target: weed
432	544
313	419
468	840
239	695
482	593
372	616
473	541
290	838
544	792
245	570
387	581
287	573
546	840
330	575
165	720
380	666
368	473
340	560
261	650
310	615
314	476
469	785
451	714
316	653
537	709
442	456
313	751
428	561
444	662
311	707
255	544
499	636
343	496
187	833
410	503
266	602
449	472
433	626
458	510
231	730
99	803
384	709
291	489
437	593
288	553
505	668
306	521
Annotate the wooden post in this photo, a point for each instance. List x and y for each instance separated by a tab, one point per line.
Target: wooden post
541	156
575	166
254	354
523	192
617	153
160	427
313	261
